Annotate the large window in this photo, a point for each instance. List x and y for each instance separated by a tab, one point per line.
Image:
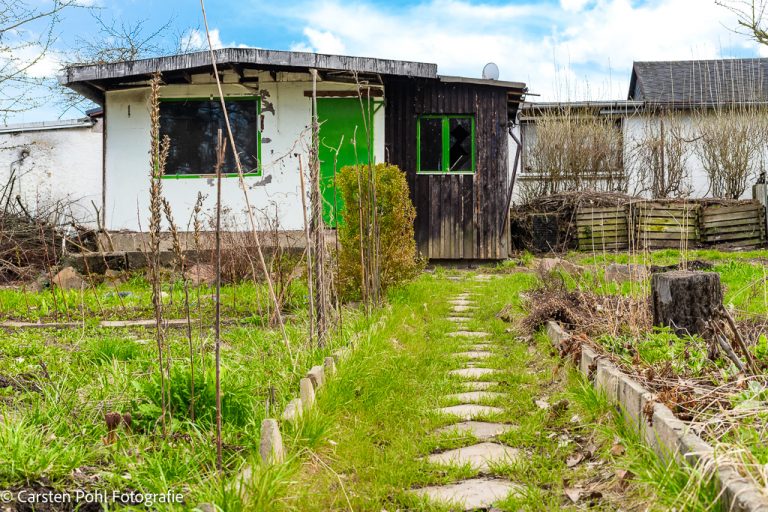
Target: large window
193	124
446	144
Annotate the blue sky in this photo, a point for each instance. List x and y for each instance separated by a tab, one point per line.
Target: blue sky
564	49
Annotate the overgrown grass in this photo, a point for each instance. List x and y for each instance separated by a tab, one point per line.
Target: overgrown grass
382	406
62	382
133	300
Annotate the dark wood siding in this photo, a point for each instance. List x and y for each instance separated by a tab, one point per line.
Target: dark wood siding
457	216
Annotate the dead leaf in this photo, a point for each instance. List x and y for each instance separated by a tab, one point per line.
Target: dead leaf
574	460
542	404
624	476
573	494
617	449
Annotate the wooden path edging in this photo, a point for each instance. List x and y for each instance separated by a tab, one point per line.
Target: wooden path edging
662	430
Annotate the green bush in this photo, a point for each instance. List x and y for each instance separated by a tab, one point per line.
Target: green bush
398	258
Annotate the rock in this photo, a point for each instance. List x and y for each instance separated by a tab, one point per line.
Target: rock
114	276
122	295
618	273
40	284
549	265
271	445
292	410
317	375
329	365
307	393
68	279
201	273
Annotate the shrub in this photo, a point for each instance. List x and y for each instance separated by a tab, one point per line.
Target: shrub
397	256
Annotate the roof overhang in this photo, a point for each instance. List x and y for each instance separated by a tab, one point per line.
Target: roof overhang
40	126
93	80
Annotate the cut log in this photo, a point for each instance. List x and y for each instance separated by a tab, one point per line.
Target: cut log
685	300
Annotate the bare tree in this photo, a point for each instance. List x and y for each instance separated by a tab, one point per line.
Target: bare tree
730	145
27	35
659	156
576	149
750	16
117	40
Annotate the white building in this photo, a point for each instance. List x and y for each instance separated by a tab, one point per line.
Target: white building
673	96
54	163
448	134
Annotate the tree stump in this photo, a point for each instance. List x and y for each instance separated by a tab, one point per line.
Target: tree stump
685	300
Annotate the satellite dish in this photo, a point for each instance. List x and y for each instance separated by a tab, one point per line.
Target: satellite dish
491	71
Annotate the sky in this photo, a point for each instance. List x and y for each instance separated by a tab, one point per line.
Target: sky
562	49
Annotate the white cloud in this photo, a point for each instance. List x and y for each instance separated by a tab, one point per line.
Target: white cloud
320	42
559	54
573	5
195	39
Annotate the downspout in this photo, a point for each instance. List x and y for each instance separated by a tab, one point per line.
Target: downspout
514	176
104	166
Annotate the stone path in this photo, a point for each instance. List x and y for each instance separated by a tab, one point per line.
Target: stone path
474	414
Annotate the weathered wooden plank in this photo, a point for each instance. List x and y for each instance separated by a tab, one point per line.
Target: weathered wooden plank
746	223
752	228
593	222
733	236
467	202
754	214
670	206
590	234
717	210
667	236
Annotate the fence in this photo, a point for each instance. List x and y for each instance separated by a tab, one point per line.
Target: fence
671	224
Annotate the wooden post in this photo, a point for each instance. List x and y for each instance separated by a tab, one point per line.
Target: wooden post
685	300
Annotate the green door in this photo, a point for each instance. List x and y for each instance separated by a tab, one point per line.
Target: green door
343	141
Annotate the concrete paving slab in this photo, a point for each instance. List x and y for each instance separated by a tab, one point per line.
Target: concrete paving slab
470	411
460	309
482	430
468	334
475	397
474	385
479	456
475	354
472	373
477	493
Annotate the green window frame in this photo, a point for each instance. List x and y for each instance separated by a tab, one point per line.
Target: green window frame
445	141
227	99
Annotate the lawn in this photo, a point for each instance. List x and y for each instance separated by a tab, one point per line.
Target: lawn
57	385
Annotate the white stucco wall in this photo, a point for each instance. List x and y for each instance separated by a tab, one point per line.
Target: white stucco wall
634	127
286	117
57	165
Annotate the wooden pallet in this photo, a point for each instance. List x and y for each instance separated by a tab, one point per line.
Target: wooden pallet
602	228
737	227
661	225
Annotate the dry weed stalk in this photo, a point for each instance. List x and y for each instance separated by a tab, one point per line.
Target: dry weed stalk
731	139
180	261
659	156
158	157
576	149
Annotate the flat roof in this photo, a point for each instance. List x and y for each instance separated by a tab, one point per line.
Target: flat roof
92	80
481	81
38	126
